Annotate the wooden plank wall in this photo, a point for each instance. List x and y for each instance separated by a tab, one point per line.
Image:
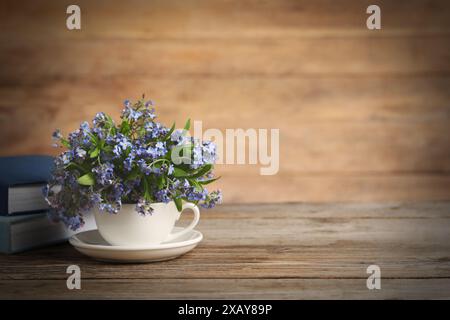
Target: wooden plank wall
363	115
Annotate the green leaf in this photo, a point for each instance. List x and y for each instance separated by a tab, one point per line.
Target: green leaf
142	131
195	184
146	189
161	182
125	127
204	182
65	143
108	148
94	153
179	204
94	139
76	166
109	121
172	128
133	175
202	171
187	126
179	173
86	180
158	164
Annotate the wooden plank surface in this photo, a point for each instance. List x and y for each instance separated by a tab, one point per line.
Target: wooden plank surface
307	99
248	289
289	251
418	55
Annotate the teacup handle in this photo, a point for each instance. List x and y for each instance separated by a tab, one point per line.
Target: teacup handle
194	222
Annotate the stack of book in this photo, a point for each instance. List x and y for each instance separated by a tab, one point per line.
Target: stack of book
23	210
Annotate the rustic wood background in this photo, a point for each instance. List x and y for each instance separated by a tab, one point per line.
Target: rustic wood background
363	115
266	251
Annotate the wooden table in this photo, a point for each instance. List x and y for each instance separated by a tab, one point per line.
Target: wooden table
288	251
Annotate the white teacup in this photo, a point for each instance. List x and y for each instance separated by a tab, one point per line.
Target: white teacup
129	228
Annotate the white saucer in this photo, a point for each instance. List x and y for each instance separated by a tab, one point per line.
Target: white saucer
93	245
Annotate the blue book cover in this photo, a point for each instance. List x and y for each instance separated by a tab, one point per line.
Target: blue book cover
25	175
24	232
